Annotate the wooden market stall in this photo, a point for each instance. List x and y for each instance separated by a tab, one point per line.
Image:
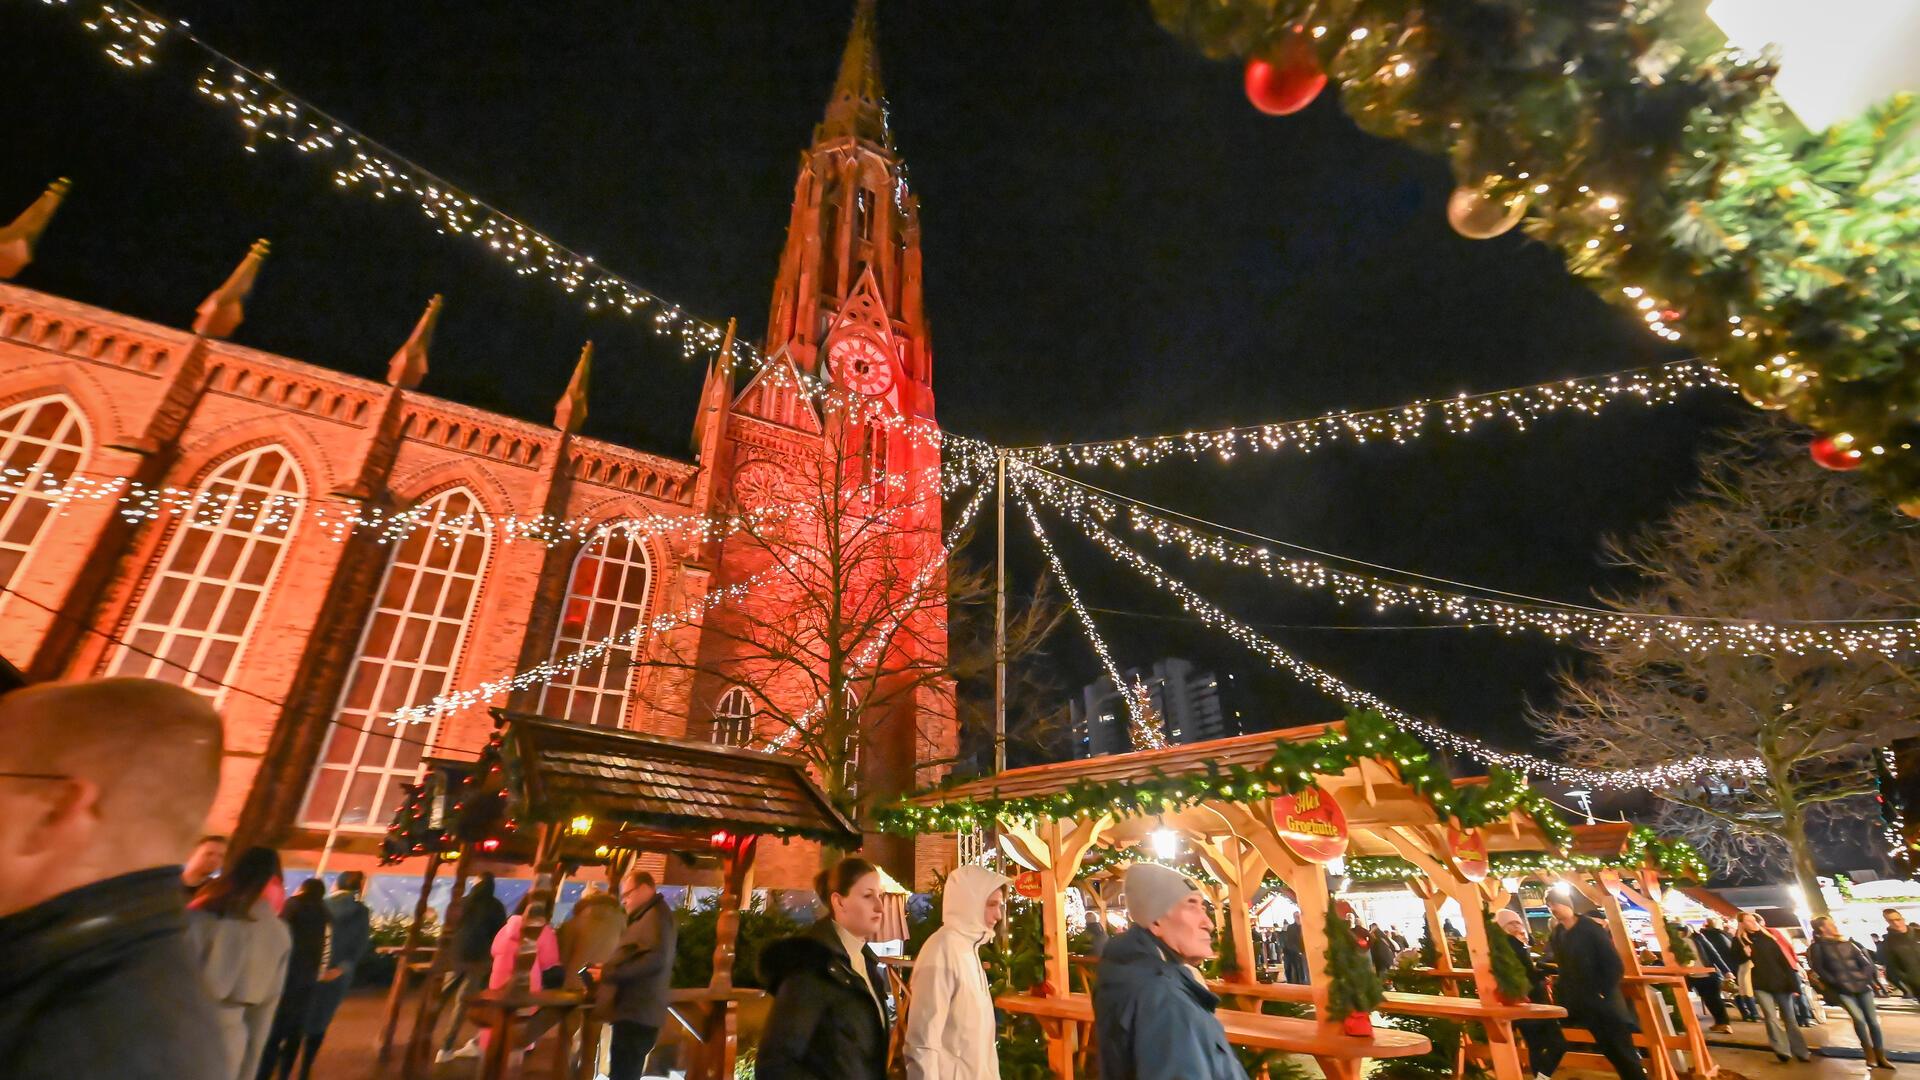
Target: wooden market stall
558	795
1285	802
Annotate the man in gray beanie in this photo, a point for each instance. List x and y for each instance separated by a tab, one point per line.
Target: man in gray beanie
1153	1018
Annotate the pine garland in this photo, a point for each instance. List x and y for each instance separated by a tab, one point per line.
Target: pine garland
1676	859
1509	974
1353	986
1666	170
1292	768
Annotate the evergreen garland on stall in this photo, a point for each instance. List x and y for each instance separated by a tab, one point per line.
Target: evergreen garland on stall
1509	974
1661	164
1292	768
1676	859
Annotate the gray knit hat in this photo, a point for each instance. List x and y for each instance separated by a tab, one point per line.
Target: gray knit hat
1152	890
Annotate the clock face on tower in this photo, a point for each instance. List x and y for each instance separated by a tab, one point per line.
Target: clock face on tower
860	365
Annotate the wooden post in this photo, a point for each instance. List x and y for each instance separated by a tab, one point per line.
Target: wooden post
398	990
417	1063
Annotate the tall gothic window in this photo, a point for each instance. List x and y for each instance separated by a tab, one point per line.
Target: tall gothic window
211	580
830	233
41	441
408	652
606	598
863	214
733	717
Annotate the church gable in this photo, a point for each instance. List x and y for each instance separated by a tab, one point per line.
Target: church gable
864	310
773	395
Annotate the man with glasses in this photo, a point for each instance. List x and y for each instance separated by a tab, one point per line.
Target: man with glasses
104	787
637	978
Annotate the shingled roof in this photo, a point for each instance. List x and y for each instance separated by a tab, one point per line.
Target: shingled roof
653	782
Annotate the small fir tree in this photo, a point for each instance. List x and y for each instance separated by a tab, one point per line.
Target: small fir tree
1353	986
1429	952
1509	974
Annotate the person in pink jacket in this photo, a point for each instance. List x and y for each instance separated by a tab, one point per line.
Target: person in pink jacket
525	948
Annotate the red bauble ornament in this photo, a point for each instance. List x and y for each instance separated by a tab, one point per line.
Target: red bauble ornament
1828	455
1358	1024
1288	81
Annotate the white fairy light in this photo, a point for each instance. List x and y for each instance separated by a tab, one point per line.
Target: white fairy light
1521	406
1559	620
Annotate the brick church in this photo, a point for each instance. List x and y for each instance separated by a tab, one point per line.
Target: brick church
308	636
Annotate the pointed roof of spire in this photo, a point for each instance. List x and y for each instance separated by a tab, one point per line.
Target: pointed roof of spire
409	364
219	315
858	106
570	412
17	239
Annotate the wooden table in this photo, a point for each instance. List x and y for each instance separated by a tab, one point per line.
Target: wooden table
498	1010
711	1019
1495	1017
1339	1056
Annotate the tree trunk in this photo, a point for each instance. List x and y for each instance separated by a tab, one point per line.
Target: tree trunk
1793	823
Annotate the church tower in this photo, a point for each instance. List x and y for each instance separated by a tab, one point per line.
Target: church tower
846	311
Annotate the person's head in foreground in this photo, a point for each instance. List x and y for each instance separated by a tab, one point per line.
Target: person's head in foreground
1170	907
99	779
974	900
636	891
1560	905
850	889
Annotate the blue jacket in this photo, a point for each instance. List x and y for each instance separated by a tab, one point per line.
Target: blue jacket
1153	1019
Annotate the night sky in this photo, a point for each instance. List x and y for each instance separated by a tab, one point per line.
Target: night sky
1115	243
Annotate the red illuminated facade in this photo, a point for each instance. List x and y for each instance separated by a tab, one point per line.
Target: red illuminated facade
319	634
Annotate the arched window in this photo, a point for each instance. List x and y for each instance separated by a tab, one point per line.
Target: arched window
733	717
407	656
41	441
606	598
199	608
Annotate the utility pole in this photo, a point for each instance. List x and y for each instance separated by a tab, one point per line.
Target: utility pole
1000	658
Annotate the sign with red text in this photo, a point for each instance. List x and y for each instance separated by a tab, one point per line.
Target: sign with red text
1027	884
1468	851
1311	824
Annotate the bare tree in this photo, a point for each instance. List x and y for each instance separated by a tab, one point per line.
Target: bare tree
858	625
1771	538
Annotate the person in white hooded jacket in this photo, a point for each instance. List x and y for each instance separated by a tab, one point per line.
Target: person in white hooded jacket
950	1029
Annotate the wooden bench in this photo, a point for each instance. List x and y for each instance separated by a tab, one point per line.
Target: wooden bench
1495	1017
1340	1056
498	1011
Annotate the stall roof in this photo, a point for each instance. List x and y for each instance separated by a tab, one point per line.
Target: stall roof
653	782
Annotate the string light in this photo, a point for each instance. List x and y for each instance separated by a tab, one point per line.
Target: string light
1145	736
1560	620
1659	384
1662	776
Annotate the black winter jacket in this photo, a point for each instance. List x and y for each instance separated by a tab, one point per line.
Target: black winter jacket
1590	971
481	917
98	982
1842	965
1775	970
824	1024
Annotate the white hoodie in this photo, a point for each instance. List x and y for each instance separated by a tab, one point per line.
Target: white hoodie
950	1032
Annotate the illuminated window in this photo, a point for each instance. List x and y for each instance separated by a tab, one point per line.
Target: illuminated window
408	652
40	441
199	607
733	718
606	598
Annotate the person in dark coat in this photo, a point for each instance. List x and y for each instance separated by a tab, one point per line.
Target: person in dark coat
1546	1043
1152	1017
104	787
310	961
1900	952
480	918
1719	951
352	941
830	1018
1776	979
1589	985
1848	976
1708	986
1293	953
1380	949
635	980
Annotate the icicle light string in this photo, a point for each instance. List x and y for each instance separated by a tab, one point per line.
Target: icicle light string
870	653
1668	775
1518	613
1135	721
1520	406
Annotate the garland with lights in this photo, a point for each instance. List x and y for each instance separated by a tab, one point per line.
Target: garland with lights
1509	974
1114	860
1663	167
1556	619
1674	859
1667	775
1519	407
1893	815
1353	984
1292	767
1144	736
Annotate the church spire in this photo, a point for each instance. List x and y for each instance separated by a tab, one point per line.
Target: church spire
858	106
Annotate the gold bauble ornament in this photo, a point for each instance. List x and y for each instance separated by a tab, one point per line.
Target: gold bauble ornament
1477	216
1911	508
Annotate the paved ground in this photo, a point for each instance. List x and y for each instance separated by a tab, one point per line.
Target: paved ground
349	1052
